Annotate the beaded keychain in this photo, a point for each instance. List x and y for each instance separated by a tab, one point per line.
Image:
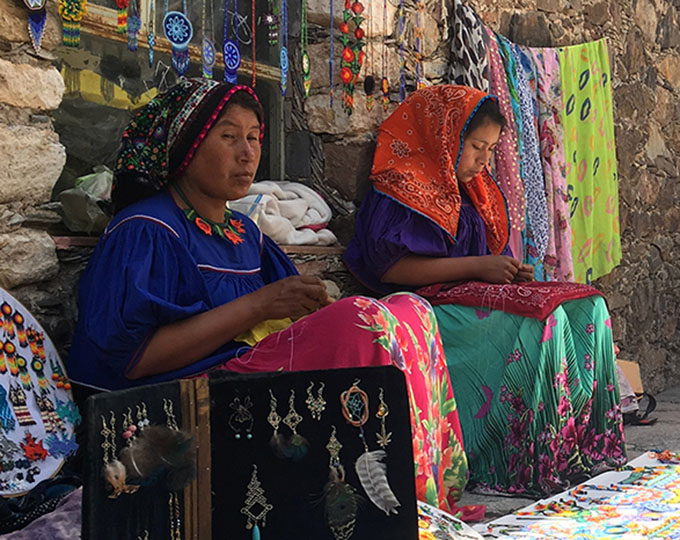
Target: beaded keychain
231	51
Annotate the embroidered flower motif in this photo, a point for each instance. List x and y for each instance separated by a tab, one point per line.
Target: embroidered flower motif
205	227
237	224
233	237
400	148
590	328
346	75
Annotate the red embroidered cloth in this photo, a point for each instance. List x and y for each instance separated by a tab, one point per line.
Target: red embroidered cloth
534	299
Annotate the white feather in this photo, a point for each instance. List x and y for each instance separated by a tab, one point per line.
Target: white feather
372	474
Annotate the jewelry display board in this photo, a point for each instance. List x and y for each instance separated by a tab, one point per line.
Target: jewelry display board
318	454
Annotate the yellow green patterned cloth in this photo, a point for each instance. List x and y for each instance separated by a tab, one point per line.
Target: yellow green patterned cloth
590	154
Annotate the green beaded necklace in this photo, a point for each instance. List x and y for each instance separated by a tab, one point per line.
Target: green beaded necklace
231	229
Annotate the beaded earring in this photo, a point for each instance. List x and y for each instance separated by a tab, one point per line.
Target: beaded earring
256	505
241	418
316	405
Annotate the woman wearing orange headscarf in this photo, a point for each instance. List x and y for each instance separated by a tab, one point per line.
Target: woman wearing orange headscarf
532	364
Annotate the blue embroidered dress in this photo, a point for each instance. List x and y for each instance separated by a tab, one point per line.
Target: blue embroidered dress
158	268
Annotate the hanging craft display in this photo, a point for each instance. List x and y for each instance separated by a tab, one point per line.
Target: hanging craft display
253	48
369	80
150	37
384	83
271	19
304	49
420	12
208	52
283	52
178	31
370	469
331	61
352	53
134	24
121	26
402	56
231	52
37	413
37	16
72	12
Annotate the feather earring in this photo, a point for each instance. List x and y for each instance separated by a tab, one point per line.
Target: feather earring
372	472
341	500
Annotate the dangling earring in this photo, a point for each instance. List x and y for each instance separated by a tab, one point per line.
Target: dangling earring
274	419
383	437
241	417
315	405
297	444
341	500
255	499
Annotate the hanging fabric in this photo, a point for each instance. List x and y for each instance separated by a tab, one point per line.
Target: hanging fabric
590	154
507	150
530	157
231	51
549	102
468	60
178	31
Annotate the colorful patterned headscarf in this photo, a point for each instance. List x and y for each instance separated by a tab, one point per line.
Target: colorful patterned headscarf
417	153
163	137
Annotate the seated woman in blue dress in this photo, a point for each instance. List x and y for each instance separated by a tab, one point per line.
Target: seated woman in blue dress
179	284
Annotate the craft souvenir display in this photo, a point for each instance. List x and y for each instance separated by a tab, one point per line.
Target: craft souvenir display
178	31
331	58
283	52
134	24
352	53
304	50
208	51
270	455
150	37
402	55
37	413
121	26
37	16
369	80
230	50
72	12
271	20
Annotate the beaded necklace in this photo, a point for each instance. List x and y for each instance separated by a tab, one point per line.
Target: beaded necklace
72	12
330	59
283	54
253	47
369	80
230	229
231	51
122	21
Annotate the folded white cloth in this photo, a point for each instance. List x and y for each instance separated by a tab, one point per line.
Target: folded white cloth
288	212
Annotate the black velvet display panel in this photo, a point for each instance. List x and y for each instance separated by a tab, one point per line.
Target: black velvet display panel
295	489
129	516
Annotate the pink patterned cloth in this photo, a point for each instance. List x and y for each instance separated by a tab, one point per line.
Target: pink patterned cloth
558	262
506	158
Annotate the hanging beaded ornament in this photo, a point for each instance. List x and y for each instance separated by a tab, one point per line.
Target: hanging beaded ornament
420	13
253	48
37	16
150	37
304	49
402	56
231	51
271	19
352	54
369	80
283	53
178	31
121	26
134	24
72	12
331	61
208	51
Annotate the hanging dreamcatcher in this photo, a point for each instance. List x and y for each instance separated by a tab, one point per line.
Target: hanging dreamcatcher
208	52
178	31
231	51
37	16
304	48
352	53
283	52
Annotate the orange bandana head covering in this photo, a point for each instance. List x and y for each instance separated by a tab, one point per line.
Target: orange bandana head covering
417	154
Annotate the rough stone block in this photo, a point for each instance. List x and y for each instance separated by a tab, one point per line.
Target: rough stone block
321	118
348	166
634	58
26	256
530	29
23	85
32	160
669	67
318	13
646	18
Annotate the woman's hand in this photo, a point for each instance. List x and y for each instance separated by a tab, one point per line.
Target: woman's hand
293	297
497	268
525	273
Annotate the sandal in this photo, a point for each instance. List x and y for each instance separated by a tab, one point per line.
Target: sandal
637	419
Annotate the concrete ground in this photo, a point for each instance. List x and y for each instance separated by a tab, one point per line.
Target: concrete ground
664	435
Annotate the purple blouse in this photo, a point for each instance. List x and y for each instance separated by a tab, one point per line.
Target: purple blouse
386	230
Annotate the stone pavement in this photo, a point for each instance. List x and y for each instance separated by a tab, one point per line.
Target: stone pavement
665	434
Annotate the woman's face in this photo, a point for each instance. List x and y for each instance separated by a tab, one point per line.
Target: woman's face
478	148
226	161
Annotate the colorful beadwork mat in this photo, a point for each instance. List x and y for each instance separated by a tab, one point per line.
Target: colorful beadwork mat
37	411
640	501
